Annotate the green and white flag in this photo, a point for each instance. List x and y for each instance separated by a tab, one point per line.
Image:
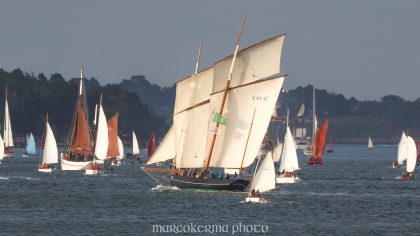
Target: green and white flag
218	118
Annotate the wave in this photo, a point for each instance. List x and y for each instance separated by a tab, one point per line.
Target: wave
3	178
161	188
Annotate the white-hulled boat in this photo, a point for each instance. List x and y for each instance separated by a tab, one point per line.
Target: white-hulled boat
263	181
288	170
50	155
101	143
411	159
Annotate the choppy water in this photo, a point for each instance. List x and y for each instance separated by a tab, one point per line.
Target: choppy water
354	193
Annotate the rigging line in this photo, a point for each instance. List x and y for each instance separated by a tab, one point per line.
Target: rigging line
150	175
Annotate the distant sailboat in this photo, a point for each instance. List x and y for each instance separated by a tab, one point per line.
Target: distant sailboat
7	130
411	159
370	144
402	151
30	148
330	148
151	147
263	181
50	154
78	152
319	145
135	148
289	161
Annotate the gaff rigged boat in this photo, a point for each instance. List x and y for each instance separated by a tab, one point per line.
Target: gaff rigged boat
78	152
221	122
318	146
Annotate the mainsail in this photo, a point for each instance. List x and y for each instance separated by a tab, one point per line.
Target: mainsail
370	143
264	180
113	148
101	144
301	110
411	155
7	127
136	149
321	139
50	154
289	159
402	149
120	149
30	144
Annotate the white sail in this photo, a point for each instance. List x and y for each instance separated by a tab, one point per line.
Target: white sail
165	150
402	149
252	63
411	155
370	143
232	146
1	149
101	145
50	155
300	132
289	160
120	149
191	117
301	110
277	151
264	180
7	128
136	149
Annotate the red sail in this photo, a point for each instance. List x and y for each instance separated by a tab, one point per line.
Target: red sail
151	147
321	140
81	137
113	150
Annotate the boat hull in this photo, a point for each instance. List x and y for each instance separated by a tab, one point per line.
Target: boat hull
209	184
9	154
74	165
286	180
91	172
255	200
313	161
45	170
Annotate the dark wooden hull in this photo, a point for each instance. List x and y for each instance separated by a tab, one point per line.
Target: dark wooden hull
209	184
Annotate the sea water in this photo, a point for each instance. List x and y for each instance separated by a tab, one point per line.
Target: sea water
355	192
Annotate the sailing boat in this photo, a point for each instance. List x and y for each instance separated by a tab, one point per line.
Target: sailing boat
135	149
411	159
309	148
221	122
30	148
7	130
263	181
113	152
50	155
319	145
78	152
101	143
289	161
301	140
330	148
151	147
370	144
402	151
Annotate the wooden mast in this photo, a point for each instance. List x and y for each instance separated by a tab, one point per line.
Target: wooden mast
234	53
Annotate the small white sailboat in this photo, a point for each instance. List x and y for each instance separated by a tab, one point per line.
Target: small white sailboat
7	130
289	162
411	159
370	144
101	143
135	149
120	157
263	181
402	151
50	155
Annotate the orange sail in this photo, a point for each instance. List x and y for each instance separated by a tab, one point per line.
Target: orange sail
113	150
321	140
81	137
152	145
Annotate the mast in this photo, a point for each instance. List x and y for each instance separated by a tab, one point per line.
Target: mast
213	140
313	123
198	58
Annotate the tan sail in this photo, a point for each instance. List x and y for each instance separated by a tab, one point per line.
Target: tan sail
81	140
113	148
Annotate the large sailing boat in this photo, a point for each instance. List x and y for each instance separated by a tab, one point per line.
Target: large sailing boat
78	152
7	130
219	123
50	155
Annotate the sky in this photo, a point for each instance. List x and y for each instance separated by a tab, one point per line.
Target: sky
361	48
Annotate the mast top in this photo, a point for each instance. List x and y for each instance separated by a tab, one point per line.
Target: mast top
81	81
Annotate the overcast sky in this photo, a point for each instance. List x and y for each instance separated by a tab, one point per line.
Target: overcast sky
363	48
